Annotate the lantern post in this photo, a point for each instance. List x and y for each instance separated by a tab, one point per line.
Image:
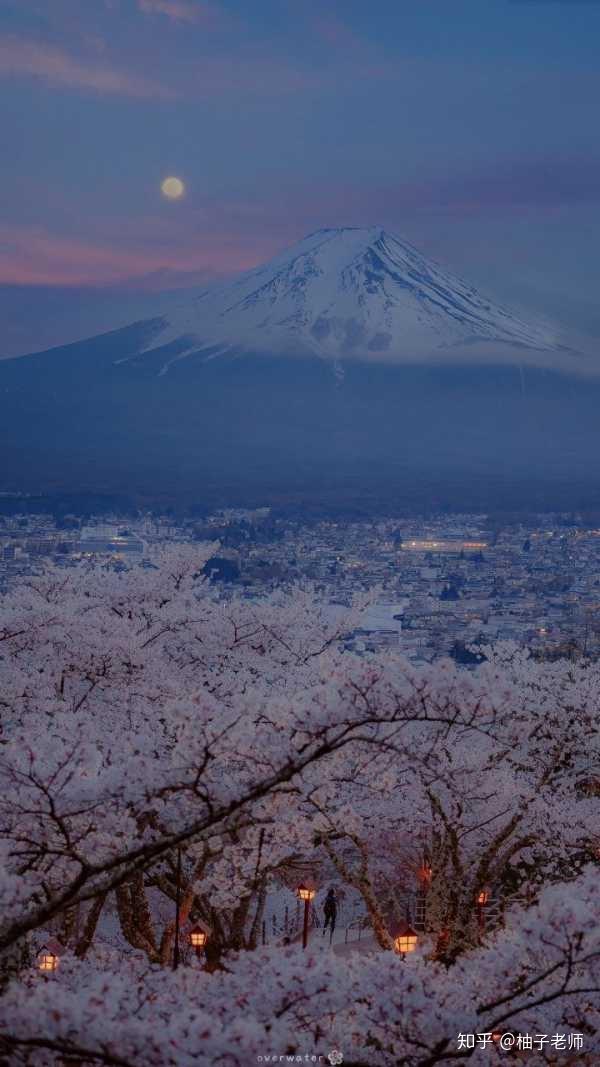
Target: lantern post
482	899
177	912
198	938
306	893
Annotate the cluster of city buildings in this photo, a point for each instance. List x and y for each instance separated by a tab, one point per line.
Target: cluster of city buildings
449	584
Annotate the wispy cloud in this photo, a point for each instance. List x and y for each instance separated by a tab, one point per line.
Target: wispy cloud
34	255
216	235
534	187
55	66
179	10
537	184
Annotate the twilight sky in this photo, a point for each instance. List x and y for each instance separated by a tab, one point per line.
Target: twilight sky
468	126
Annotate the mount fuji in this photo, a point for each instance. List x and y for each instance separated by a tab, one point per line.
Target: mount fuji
353	294
348	369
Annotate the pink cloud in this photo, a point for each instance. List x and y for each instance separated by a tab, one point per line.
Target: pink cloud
22	58
214	236
34	256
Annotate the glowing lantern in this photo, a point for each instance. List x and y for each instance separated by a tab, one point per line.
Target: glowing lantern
425	874
198	937
305	892
482	899
48	961
405	940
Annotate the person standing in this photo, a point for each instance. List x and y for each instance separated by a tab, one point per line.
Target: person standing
330	913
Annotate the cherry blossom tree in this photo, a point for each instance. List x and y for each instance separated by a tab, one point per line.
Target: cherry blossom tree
498	802
161	741
541	976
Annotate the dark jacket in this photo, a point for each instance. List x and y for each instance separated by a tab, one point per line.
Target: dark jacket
330	906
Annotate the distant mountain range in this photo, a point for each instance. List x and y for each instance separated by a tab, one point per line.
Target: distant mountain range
348	367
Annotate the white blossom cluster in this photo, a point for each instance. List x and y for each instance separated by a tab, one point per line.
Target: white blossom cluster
149	727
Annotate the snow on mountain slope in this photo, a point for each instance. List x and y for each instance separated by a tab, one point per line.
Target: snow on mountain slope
354	294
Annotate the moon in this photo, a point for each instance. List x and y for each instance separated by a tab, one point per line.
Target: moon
173	188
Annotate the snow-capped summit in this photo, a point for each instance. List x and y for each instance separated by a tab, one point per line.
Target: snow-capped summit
354	294
349	367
